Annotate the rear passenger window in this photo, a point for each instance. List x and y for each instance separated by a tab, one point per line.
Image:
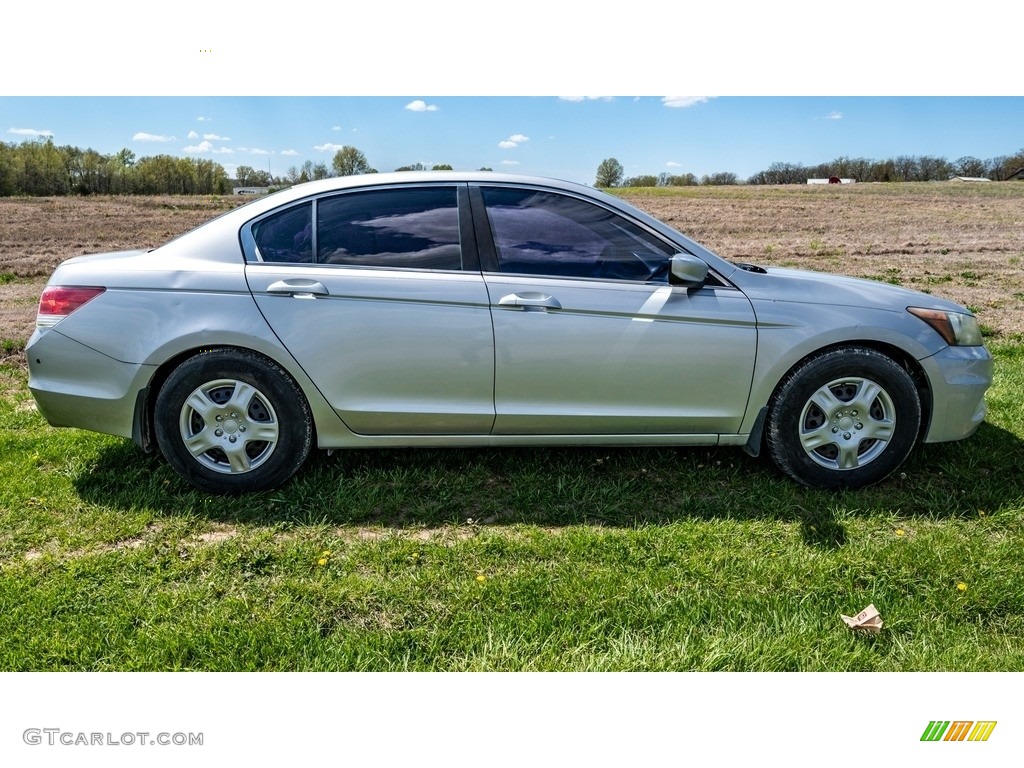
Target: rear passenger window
399	228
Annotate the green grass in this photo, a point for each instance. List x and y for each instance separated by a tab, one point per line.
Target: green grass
571	559
892	275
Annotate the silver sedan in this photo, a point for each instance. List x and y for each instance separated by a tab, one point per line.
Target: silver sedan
482	309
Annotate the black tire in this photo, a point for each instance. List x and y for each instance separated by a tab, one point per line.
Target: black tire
845	418
232	421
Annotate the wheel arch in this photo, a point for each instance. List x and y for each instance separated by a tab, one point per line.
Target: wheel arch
906	360
143	427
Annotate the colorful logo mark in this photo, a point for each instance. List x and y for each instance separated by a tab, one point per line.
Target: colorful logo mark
958	730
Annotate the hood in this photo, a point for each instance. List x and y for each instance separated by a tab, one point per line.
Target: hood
807	287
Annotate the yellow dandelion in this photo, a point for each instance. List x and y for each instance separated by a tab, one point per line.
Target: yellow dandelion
480	578
962	587
322	561
900	532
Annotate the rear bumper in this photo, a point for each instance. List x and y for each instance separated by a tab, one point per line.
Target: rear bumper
959	377
76	386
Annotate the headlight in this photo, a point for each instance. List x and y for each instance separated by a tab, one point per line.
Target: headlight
957	328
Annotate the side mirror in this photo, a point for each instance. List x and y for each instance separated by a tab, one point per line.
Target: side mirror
687	270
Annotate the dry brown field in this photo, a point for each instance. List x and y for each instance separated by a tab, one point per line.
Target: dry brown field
958	240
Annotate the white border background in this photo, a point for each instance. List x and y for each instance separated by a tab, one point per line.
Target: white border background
519	48
523	48
514	720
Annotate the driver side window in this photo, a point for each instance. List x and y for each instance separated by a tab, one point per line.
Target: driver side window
544	233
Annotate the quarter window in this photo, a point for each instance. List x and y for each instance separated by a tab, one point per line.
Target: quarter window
286	236
544	233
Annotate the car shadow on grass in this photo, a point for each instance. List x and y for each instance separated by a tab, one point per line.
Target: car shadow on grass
622	487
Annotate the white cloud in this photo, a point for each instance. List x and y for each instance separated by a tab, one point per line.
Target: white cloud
834	116
289	153
510	162
205	147
215	137
29	132
681	102
513	141
335	127
258	151
141	136
193	135
673	164
202	119
421	106
586	98
328	147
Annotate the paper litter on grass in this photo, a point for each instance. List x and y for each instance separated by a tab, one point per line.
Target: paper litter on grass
868	620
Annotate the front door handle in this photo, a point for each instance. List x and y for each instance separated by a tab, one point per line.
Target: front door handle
529	301
300	288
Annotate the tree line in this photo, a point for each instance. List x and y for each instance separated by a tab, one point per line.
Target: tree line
901	168
610	172
42	168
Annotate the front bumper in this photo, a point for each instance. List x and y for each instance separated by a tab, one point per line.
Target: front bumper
959	377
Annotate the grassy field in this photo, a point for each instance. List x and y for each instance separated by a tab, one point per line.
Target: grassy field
575	559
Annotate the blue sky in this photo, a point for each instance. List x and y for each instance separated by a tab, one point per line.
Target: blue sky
551	136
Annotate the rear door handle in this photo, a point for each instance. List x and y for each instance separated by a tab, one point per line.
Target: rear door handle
299	287
529	301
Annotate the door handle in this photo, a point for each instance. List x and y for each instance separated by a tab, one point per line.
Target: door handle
529	301
300	288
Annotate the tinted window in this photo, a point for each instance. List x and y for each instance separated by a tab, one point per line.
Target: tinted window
391	228
550	234
286	236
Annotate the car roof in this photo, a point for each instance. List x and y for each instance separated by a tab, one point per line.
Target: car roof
365	181
229	222
336	183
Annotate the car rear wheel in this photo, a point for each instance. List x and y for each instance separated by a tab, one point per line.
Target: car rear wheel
843	419
231	421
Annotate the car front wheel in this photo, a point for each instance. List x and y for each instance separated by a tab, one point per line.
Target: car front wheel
845	418
231	421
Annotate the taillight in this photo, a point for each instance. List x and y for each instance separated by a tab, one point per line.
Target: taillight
59	301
